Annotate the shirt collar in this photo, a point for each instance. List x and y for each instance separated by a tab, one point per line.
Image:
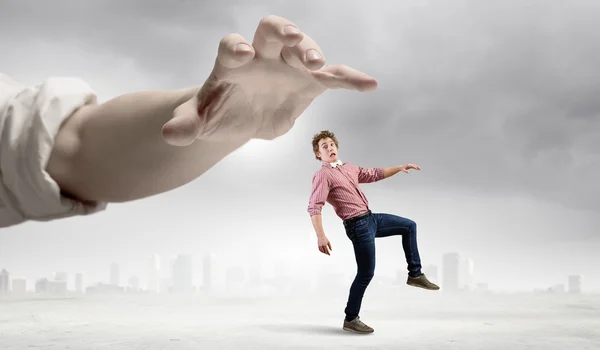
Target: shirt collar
334	164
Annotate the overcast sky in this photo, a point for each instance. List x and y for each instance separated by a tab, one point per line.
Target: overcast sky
497	101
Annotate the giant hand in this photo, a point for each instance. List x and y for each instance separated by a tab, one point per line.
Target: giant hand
259	90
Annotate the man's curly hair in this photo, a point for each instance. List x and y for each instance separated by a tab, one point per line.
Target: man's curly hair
322	135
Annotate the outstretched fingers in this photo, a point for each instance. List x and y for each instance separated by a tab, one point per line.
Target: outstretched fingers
272	34
344	77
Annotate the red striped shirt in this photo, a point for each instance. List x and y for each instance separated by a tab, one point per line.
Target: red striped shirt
338	186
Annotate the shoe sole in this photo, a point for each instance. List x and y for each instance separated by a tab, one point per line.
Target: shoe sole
422	287
355	331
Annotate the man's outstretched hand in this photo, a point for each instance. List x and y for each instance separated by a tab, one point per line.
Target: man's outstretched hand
407	167
258	90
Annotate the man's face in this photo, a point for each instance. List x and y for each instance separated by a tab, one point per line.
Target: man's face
327	150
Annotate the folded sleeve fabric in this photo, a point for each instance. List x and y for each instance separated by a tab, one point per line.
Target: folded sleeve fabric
30	117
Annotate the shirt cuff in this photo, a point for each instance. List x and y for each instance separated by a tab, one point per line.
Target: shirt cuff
30	125
314	212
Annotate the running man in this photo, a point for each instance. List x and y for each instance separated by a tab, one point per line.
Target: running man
337	183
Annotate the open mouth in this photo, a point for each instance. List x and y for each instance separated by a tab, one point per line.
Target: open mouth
331	155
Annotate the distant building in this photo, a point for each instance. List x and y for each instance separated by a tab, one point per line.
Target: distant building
154	274
45	285
557	288
134	283
79	282
458	272
61	276
4	281
575	284
183	274
19	286
451	270
207	272
115	277
468	271
41	285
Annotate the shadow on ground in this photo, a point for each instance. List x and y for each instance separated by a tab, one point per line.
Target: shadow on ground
304	329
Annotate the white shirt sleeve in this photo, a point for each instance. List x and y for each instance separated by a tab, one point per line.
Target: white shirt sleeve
30	118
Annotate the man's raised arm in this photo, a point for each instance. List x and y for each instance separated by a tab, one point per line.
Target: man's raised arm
391	171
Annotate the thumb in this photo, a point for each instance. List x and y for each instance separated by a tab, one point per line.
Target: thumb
329	245
185	126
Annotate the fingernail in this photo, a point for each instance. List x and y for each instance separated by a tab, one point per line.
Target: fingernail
313	55
242	48
290	30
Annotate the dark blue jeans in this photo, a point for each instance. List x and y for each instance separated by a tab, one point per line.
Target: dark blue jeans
362	233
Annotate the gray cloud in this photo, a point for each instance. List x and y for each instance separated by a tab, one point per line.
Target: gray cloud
164	38
495	97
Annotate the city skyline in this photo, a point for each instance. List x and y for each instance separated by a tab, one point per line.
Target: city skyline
456	274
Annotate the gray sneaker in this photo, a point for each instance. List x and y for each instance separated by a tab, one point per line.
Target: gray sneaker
357	326
421	282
